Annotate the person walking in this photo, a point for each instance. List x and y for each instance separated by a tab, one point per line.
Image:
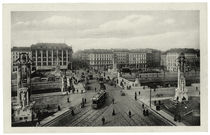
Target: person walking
139	92
103	120
129	114
95	89
113	100
143	106
147	112
113	112
144	112
59	108
72	112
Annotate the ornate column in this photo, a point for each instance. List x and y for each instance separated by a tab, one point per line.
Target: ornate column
18	83
41	58
28	72
47	57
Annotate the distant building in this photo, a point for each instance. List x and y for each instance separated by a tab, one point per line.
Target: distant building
163	60
121	57
172	55
46	56
138	58
16	51
99	59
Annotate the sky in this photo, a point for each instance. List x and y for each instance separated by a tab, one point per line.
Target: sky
107	29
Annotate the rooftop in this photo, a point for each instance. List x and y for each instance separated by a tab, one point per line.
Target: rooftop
183	50
21	48
50	45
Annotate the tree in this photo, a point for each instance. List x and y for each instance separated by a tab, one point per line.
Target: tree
78	64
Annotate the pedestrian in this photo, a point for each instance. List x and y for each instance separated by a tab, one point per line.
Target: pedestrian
103	120
72	112
68	100
129	113
95	89
143	106
155	102
59	108
139	92
77	90
85	100
159	102
113	113
135	97
147	112
144	112
113	100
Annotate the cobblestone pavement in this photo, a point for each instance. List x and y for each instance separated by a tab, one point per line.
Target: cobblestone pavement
88	116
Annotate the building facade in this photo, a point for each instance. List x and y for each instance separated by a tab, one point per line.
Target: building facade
138	59
100	59
16	51
46	56
171	58
121	57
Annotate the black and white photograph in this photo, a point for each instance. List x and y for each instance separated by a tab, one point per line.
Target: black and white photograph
123	67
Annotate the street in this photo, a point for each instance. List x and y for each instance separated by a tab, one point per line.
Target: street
88	116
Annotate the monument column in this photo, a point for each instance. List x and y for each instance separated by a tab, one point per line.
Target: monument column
18	83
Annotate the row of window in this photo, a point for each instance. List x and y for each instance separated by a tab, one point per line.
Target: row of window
44	63
50	53
100	58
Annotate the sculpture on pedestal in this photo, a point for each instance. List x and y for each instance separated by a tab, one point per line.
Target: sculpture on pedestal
181	90
23	110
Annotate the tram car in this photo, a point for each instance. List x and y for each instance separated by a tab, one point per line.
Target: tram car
99	99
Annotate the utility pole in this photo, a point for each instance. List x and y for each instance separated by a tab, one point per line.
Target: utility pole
150	97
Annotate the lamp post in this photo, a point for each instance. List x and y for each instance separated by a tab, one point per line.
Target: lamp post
150	95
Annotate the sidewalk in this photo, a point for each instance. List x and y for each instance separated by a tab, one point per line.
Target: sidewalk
153	108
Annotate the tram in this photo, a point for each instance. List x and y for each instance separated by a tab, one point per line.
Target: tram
99	99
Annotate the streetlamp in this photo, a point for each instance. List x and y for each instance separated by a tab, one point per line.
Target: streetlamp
150	96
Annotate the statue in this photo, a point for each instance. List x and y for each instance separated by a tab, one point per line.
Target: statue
23	107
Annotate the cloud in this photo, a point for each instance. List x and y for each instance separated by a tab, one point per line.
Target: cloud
50	23
136	25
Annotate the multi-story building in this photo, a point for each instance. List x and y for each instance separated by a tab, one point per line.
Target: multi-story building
100	59
138	58
46	56
172	55
121	57
163	60
155	58
16	51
